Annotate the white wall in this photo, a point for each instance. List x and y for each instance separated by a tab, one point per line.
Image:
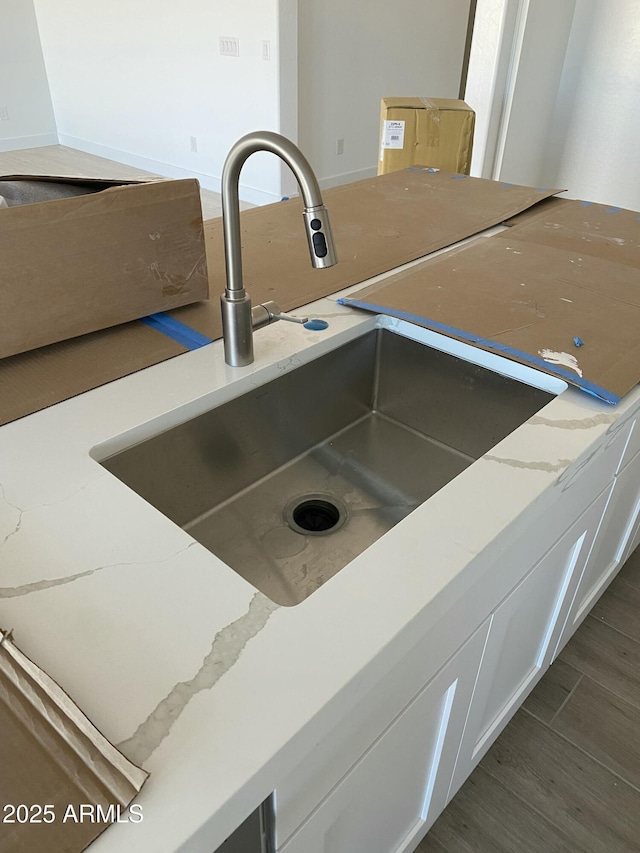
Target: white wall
596	128
515	69
352	53
133	81
541	39
559	96
489	66
24	91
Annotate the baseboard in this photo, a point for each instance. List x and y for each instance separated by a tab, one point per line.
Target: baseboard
167	170
348	177
38	140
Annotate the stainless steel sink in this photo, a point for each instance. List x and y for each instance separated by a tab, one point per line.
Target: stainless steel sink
291	481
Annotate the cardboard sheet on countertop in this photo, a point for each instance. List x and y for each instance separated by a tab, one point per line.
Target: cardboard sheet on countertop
54	761
379	224
559	291
72	265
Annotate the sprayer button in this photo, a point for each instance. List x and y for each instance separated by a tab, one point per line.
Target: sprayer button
319	244
315	224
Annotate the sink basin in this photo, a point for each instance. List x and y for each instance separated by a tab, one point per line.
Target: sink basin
292	480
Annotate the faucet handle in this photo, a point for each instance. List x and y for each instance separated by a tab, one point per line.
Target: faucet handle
290	319
269	312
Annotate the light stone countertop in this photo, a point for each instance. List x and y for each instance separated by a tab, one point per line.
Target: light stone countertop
190	671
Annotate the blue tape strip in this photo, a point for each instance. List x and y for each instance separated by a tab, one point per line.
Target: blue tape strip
586	203
177	331
613	210
534	360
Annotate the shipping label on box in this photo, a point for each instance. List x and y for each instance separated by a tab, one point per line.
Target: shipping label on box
392	136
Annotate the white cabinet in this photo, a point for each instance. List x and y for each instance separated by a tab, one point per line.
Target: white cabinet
523	635
618	537
398	787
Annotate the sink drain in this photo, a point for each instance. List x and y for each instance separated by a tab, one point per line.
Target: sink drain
315	515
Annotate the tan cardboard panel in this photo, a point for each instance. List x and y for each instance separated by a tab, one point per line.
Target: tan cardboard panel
610	233
379	224
58	771
76	265
571	272
34	380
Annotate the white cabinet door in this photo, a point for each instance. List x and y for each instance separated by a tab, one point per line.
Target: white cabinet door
523	635
618	536
388	800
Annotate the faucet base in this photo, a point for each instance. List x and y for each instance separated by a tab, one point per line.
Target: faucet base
237	330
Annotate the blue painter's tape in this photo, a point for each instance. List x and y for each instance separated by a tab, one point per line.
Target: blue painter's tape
613	210
586	203
177	331
505	186
533	360
459	177
578	341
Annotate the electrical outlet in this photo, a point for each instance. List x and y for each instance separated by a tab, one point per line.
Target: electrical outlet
266	50
4	114
229	46
193	144
339	146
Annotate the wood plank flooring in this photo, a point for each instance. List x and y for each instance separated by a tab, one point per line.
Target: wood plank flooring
68	162
564	776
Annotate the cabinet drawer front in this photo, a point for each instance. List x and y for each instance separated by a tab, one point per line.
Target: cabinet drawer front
334	755
388	800
633	444
618	537
523	636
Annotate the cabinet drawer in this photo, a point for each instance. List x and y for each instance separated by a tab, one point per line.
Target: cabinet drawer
397	789
334	755
633	445
617	538
523	635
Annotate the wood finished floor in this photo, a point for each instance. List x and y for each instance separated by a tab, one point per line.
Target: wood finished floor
564	776
64	161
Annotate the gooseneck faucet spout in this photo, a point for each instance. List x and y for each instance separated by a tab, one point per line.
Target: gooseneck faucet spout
238	318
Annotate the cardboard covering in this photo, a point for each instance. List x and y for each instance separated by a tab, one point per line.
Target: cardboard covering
559	291
430	131
51	755
378	224
113	253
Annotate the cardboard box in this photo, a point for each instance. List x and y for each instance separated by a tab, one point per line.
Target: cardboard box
117	252
435	132
62	783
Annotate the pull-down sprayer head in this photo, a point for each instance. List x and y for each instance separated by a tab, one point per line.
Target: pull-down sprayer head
318	228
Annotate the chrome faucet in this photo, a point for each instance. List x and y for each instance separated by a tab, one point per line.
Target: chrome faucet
239	319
